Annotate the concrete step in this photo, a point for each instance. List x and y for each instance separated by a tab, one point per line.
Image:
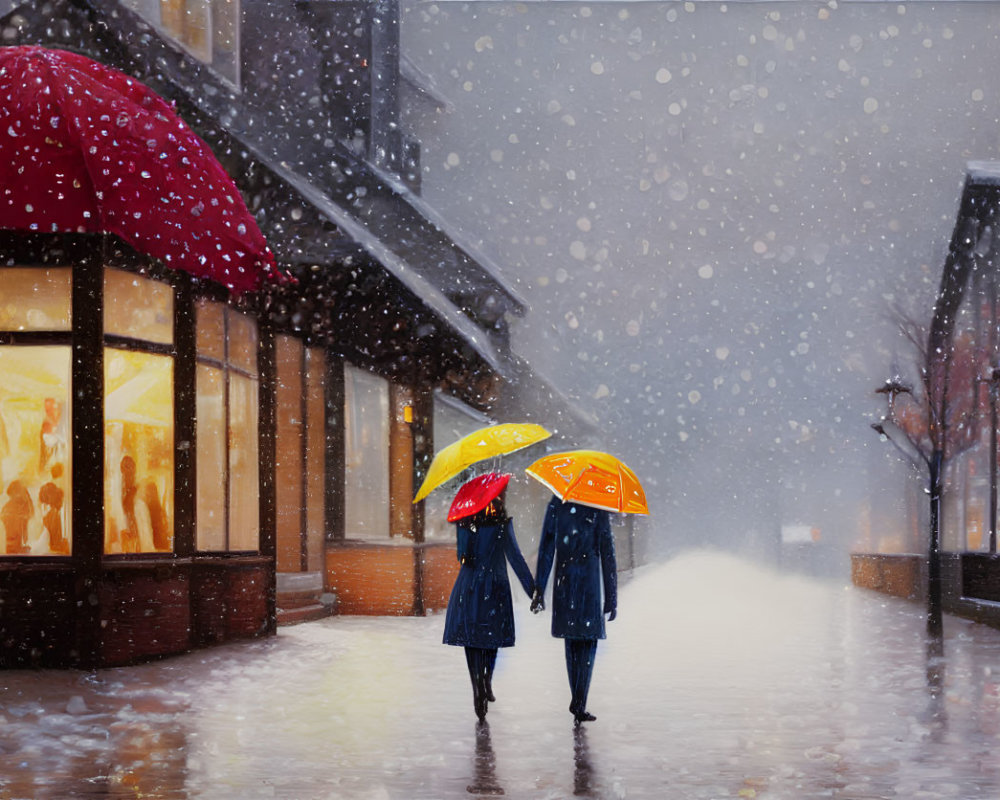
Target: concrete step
304	613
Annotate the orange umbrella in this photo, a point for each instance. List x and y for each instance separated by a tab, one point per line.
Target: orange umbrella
591	478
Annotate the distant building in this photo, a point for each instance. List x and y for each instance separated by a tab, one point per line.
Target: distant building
275	454
965	318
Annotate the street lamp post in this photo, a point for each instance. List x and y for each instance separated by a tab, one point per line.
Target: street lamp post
934	462
994	384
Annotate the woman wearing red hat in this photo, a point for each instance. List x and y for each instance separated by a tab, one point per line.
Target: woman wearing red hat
480	614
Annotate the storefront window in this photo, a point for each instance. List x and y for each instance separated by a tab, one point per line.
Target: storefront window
35	438
228	512
35	299
138	415
244	481
366	446
137	307
35	419
208	29
211	494
138	452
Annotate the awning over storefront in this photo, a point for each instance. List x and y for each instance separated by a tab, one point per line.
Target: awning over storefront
429	294
87	149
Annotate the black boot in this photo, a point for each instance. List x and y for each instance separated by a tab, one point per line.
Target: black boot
475	658
491	662
480	696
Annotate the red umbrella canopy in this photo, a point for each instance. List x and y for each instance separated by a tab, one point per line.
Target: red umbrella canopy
85	148
476	494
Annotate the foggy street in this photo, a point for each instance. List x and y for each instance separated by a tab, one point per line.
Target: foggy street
719	679
266	268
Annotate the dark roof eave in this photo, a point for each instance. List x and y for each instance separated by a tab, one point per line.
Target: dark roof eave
430	295
486	264
983	173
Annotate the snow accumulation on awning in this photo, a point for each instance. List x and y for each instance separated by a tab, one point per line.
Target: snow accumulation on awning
410	277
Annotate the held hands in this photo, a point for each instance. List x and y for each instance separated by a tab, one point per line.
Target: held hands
537	603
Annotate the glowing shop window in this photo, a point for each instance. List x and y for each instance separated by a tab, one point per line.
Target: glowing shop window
208	29
35	298
35	437
211	494
227	407
138	452
244	481
242	340
189	22
138	307
210	330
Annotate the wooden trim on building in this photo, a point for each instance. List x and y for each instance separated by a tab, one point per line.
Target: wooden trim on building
401	489
335	444
267	455
304	453
185	452
289	457
87	375
422	429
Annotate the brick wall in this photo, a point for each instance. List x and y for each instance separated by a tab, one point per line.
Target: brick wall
898	574
371	579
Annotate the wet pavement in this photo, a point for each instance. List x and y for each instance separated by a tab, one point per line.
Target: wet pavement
719	679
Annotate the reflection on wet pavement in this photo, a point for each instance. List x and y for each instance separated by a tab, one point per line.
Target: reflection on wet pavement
484	780
584	781
767	686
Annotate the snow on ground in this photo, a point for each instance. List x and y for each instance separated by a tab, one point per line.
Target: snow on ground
719	679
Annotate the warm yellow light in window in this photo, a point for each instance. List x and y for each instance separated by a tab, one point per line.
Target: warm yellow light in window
138	452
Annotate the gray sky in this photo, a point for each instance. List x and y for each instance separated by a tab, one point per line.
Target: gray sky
709	208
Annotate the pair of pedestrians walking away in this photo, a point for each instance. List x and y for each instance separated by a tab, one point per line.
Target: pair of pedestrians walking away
576	540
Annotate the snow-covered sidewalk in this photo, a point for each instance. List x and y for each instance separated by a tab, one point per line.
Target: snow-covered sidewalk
719	679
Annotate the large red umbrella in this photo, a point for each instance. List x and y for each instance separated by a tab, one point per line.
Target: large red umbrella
85	148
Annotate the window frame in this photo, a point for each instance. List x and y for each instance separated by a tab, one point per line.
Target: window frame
118	341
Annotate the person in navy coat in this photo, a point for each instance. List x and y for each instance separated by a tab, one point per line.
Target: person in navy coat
579	539
480	614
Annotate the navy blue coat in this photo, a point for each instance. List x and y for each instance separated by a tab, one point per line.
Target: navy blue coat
579	538
480	611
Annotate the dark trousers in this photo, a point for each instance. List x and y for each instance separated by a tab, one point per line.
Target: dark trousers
580	665
481	661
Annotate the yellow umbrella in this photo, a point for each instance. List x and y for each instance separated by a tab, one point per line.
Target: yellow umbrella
494	440
591	478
